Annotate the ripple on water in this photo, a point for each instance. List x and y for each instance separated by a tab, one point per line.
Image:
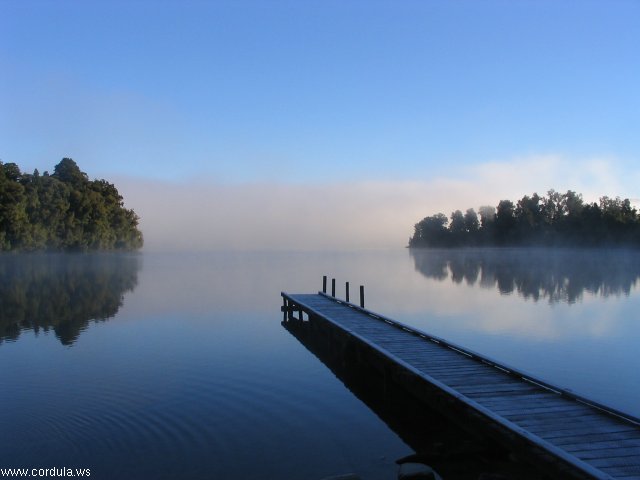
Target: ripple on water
195	411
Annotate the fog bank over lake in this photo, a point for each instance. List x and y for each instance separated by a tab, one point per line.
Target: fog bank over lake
208	214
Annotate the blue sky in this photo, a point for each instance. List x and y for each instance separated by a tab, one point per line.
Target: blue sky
318	92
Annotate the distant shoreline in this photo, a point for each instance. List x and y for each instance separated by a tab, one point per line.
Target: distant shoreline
554	220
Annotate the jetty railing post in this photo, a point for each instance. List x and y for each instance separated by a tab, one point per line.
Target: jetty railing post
284	309
361	296
346	291
333	287
324	284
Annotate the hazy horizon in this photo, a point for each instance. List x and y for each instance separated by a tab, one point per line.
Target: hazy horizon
342	215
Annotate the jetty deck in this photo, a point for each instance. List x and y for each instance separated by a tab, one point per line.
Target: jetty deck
564	434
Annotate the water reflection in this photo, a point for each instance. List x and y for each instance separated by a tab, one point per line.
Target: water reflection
62	292
555	275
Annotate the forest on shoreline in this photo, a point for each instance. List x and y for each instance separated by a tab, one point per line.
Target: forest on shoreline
555	219
63	211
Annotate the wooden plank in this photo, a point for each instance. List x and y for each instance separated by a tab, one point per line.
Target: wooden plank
478	391
488	378
598	444
504	411
442	357
400	346
400	336
451	362
618	472
530	401
441	365
549	432
492	392
381	338
566	416
434	348
615	461
595	424
453	374
572	440
380	328
608	453
483	381
520	399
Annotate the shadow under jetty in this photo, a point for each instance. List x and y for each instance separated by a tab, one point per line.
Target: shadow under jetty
62	292
437	441
552	274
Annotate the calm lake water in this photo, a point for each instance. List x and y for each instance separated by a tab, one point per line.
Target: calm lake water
177	365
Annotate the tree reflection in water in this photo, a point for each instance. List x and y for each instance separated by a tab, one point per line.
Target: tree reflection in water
62	292
556	275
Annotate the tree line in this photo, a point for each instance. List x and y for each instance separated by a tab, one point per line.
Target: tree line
562	219
63	211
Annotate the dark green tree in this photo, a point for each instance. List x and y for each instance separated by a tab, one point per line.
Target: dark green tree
67	171
505	222
457	228
14	223
63	211
431	232
471	222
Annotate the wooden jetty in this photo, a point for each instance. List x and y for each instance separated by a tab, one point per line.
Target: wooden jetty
453	452
561	433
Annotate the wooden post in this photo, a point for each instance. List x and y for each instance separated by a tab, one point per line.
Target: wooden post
347	291
333	287
361	296
324	284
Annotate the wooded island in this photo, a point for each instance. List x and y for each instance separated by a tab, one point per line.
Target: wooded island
63	211
561	219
